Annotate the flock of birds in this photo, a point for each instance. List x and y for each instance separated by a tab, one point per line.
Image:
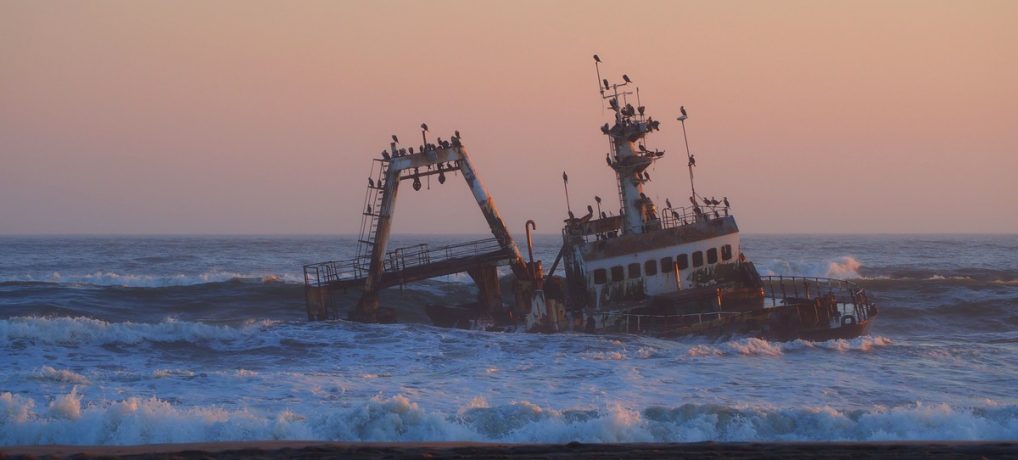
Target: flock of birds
387	156
454	141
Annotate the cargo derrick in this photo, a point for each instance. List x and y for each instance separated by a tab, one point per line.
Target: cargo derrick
374	268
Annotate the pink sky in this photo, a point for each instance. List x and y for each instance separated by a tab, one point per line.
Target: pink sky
262	117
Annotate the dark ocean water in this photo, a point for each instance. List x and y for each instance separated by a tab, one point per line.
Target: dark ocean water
128	340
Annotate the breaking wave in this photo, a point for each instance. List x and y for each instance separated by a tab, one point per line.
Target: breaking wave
82	331
68	420
101	278
845	267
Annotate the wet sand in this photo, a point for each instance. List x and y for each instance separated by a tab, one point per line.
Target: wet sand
315	450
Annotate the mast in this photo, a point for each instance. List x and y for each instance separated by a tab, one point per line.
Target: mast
627	160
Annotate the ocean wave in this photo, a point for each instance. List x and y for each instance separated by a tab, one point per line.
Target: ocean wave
759	347
82	330
844	267
101	278
60	375
69	420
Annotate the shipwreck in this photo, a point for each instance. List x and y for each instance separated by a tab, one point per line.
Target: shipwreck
671	270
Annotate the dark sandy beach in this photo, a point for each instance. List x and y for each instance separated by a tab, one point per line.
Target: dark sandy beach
315	450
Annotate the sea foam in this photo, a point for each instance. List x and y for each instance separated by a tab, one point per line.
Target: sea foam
67	420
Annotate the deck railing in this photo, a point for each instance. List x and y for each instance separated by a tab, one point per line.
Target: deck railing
846	296
632	322
323	273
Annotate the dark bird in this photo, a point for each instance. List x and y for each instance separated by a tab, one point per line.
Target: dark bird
457	134
608	159
597	199
668	202
714	202
590	209
424	126
411	150
369	209
725	201
692	200
676	215
565	177
385	154
395	139
603	215
626	78
606	85
643	148
402	152
605	129
371	183
646	175
641	109
706	201
614	103
692	160
682	110
571	216
716	215
597	58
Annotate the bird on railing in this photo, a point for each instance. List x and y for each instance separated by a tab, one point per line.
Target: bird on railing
385	154
725	200
668	202
371	183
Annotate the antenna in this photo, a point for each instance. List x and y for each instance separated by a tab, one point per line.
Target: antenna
692	161
565	183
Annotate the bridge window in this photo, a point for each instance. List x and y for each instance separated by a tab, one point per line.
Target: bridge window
712	255
726	252
600	276
683	261
667	266
618	273
698	259
634	271
650	267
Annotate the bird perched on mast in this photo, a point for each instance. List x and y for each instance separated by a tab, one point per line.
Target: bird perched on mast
684	116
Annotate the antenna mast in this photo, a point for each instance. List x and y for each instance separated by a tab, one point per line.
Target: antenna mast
692	162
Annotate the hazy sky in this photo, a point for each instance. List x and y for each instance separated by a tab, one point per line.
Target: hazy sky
262	117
